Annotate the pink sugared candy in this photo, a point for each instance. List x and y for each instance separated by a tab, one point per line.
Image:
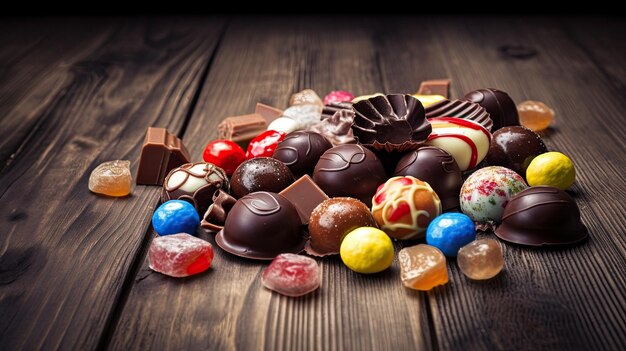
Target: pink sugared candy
180	255
338	96
292	275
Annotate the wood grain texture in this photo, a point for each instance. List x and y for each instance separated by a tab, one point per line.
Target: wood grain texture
35	61
227	307
65	253
68	258
602	40
571	298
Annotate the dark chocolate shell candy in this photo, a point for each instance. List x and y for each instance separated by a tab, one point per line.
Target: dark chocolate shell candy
460	109
542	215
394	122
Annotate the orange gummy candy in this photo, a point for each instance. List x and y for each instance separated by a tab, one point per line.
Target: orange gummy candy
535	115
422	267
111	178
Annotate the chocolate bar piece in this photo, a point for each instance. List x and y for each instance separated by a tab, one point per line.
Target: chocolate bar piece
268	112
242	129
161	152
435	87
305	195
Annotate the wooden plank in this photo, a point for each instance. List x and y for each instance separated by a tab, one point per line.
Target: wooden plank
602	40
572	298
227	307
65	253
35	61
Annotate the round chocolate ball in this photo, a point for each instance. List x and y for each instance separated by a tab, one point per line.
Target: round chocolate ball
332	220
301	150
349	170
514	147
260	174
195	183
542	215
437	168
261	226
501	107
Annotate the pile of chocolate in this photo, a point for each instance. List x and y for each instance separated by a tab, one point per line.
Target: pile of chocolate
329	176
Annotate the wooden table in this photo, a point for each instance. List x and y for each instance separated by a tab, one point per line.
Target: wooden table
78	92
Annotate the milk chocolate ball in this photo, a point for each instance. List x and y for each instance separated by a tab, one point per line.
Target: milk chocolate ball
332	220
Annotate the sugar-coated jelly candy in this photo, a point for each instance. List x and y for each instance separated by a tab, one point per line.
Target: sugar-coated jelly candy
481	259
422	267
180	255
449	232
338	96
292	275
535	115
175	216
111	178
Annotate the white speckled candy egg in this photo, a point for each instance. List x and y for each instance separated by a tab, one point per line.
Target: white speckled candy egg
487	191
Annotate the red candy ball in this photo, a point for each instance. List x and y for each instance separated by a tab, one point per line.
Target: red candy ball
225	154
264	144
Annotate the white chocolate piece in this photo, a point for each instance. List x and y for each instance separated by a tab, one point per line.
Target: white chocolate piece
285	125
306	115
180	179
467	141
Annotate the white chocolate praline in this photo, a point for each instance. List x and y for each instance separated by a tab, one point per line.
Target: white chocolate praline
186	183
399	194
306	115
284	124
467	141
487	191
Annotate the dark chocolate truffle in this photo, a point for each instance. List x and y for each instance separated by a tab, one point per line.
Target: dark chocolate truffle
351	171
514	147
301	150
499	104
395	122
332	220
260	174
195	183
542	215
261	226
460	109
437	168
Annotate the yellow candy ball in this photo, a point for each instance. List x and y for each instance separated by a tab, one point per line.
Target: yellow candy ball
552	169
367	250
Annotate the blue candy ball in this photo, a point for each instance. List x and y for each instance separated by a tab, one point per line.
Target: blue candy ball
450	232
175	216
